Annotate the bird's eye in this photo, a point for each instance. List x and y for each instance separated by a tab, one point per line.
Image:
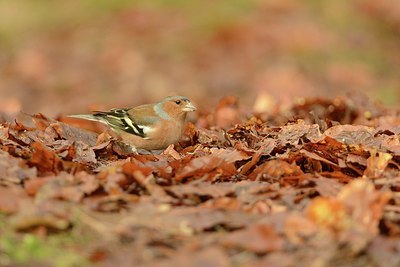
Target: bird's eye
178	102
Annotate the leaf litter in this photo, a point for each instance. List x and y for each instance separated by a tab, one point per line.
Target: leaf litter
318	184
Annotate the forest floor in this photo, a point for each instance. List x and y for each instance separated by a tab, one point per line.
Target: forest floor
317	185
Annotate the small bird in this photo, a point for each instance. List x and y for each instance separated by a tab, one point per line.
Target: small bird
150	126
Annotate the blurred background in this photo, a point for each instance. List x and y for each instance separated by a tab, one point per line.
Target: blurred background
61	57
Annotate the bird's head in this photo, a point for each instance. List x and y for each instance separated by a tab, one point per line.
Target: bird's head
176	106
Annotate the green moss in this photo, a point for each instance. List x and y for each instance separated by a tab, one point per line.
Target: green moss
59	250
30	248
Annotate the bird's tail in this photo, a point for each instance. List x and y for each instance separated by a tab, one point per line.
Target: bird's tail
88	117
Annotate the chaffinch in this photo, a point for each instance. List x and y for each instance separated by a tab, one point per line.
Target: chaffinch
151	126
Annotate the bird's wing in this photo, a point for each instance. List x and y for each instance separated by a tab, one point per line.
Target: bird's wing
122	119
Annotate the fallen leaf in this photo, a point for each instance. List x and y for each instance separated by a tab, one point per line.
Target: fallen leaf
352	134
328	212
170	151
291	133
377	163
45	160
198	167
364	204
14	170
275	169
229	155
75	134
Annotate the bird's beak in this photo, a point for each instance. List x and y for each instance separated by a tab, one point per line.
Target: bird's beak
189	107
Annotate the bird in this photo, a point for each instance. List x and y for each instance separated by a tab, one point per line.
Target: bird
150	126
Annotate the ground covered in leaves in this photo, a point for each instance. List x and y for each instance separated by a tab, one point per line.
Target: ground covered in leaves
315	185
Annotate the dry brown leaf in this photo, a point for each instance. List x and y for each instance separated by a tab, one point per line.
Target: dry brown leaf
291	133
328	212
358	206
377	163
275	169
75	134
198	167
14	170
364	204
170	151
45	160
352	134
